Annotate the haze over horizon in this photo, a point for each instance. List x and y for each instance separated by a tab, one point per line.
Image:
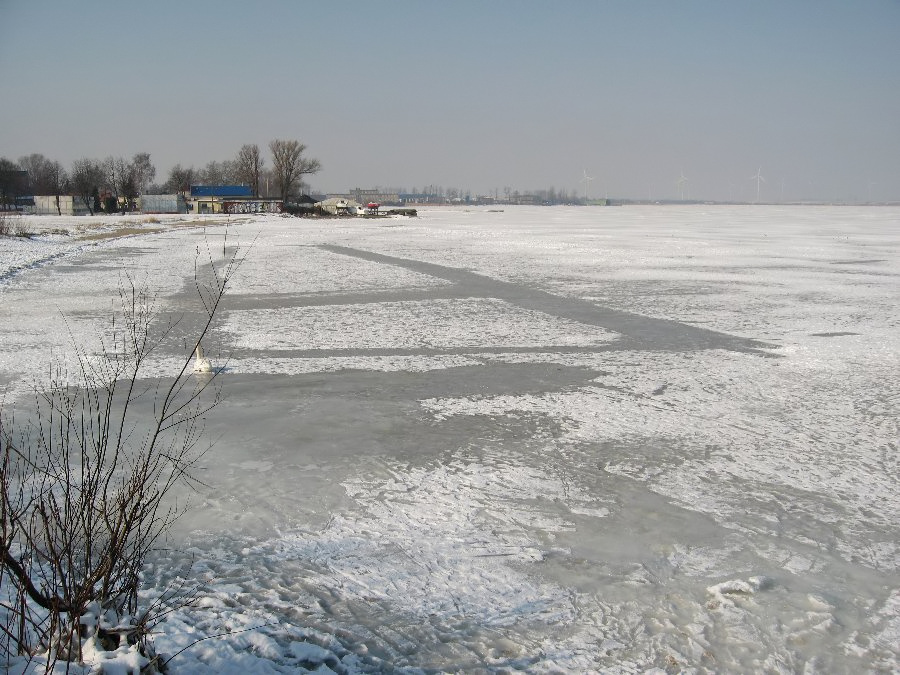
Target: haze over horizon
476	96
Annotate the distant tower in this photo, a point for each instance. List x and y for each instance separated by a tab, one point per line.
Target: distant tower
680	183
758	178
586	180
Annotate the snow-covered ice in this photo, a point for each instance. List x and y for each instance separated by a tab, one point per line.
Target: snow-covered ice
542	439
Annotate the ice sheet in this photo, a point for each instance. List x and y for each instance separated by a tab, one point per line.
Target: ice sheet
608	439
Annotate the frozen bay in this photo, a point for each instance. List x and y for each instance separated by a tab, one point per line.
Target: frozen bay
542	439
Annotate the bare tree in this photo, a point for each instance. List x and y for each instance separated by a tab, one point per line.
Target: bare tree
217	173
120	179
180	179
128	185
144	171
290	165
86	177
248	166
58	182
41	173
45	176
83	490
13	182
112	168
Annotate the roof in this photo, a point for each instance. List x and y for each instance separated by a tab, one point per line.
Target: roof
221	191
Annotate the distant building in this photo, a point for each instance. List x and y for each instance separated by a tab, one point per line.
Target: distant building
525	199
376	195
484	199
162	204
230	199
211	198
199	191
62	205
421	198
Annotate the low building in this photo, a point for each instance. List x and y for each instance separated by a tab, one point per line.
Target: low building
304	205
212	198
230	199
61	205
162	204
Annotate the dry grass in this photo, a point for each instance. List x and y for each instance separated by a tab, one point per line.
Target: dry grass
120	232
138	228
12	225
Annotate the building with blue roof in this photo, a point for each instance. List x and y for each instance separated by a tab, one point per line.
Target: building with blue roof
230	199
239	191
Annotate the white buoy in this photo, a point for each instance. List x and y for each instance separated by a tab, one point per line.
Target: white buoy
201	363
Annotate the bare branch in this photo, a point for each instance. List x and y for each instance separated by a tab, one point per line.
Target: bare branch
83	489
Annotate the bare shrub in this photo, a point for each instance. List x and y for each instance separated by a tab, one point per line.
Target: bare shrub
84	486
12	225
5	224
20	228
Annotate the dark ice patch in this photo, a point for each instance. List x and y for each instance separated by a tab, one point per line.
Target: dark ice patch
638	331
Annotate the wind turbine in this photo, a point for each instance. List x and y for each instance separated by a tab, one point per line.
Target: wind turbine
680	183
758	178
586	180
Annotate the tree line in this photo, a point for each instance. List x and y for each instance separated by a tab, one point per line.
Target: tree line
115	183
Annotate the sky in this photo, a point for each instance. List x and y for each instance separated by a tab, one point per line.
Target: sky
475	95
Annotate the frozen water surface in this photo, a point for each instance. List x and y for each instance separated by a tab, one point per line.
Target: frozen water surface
543	439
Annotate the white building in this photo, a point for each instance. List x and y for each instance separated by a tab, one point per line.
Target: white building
62	205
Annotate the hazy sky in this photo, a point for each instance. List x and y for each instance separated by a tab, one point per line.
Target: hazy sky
478	95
